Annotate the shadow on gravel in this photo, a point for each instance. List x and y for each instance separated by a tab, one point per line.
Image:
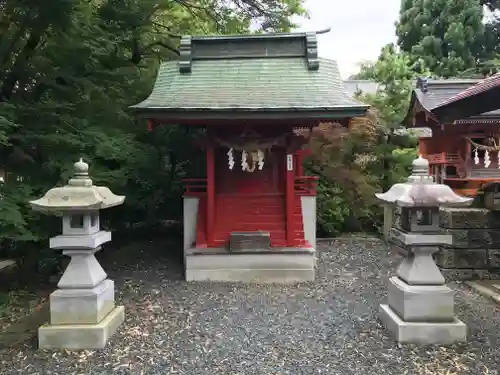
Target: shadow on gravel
160	254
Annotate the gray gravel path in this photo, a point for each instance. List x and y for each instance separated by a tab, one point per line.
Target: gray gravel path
326	327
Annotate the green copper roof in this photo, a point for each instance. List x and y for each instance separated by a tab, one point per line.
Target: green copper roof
279	72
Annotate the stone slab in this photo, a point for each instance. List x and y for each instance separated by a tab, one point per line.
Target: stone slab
81	336
248	241
462	258
422	333
82	306
420	303
258	268
494	258
487	288
473	238
6	263
268	276
273	250
468	274
468	218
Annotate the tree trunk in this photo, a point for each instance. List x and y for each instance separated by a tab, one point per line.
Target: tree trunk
19	66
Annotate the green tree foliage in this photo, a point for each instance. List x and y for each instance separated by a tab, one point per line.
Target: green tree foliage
343	159
69	69
448	35
395	73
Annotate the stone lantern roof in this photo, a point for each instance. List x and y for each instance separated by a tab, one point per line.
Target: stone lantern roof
421	191
78	195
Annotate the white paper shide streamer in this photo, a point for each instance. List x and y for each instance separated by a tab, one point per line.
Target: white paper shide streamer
244	163
476	157
257	160
487	160
230	157
260	158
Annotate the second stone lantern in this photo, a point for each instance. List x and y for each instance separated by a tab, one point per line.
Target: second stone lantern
83	314
421	307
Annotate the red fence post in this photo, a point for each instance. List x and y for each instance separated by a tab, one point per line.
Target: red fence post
289	198
210	194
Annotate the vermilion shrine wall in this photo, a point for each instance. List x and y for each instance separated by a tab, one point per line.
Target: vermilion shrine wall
278	184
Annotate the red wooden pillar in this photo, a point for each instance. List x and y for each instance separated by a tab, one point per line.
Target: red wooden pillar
289	197
422	151
468	151
210	194
300	168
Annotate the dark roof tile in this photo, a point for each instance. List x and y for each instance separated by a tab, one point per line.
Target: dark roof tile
439	92
265	83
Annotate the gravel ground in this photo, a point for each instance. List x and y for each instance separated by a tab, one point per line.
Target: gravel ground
326	327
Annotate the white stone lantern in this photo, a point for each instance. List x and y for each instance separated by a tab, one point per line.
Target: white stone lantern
83	314
420	308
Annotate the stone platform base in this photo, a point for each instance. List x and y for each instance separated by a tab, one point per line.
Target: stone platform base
422	333
279	265
81	336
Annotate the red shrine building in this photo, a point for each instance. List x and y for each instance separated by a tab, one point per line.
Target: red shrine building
252	217
464	151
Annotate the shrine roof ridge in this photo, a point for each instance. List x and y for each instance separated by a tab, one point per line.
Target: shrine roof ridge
431	93
251	46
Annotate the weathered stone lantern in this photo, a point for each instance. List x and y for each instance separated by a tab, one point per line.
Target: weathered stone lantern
420	308
83	314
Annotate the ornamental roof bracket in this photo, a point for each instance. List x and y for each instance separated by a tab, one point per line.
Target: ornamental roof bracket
422	84
312	51
185	54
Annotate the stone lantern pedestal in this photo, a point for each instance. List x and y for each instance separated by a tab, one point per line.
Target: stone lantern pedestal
420	306
83	314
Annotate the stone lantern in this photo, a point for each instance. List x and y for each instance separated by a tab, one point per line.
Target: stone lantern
83	314
420	308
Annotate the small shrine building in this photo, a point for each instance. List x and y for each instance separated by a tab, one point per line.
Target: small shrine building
252	217
463	152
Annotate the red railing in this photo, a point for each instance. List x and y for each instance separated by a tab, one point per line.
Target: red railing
306	185
443	158
195	186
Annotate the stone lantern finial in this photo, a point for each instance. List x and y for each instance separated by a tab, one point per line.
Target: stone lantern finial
81	168
420	172
420	166
81	174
